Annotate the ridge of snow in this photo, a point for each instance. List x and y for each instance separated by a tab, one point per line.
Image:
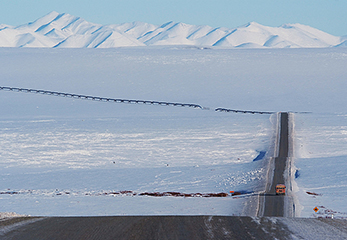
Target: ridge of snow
343	44
67	31
315	33
4	26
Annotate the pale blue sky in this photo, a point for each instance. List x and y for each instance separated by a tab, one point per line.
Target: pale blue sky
327	15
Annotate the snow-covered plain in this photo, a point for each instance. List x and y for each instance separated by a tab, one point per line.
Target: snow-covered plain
321	165
59	156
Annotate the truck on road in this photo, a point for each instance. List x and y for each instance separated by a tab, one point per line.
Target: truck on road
280	189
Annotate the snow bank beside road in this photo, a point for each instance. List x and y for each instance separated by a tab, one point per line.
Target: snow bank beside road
4	215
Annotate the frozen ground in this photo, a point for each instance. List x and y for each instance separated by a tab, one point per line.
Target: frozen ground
67	166
60	156
321	164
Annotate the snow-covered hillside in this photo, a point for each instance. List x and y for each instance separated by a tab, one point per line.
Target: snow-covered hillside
66	31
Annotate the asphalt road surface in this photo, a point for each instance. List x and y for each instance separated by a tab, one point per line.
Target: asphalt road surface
148	227
274	204
171	227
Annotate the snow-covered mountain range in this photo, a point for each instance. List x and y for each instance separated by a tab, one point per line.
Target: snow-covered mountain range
56	30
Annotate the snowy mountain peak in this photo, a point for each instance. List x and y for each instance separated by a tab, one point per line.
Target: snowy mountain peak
251	24
2	26
68	31
42	21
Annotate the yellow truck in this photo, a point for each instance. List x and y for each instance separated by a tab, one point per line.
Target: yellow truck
280	189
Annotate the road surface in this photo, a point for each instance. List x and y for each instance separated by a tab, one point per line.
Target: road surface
147	227
274	204
171	227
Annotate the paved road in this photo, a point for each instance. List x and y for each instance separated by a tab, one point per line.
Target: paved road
149	227
174	227
274	205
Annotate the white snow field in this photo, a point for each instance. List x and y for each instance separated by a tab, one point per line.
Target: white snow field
56	30
322	164
69	157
